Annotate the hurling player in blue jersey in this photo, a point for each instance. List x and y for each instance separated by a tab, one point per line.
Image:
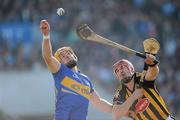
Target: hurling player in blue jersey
74	90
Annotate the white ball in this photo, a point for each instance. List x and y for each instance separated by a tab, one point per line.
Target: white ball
60	11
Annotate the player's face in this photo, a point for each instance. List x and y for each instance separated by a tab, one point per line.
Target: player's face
122	73
68	58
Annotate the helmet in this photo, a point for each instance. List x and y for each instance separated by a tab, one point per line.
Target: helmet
57	53
124	63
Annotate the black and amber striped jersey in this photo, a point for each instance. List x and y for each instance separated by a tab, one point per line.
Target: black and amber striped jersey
156	109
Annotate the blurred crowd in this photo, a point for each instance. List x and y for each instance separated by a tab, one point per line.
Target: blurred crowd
125	21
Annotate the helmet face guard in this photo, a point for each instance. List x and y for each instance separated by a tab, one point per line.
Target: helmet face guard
123	70
64	50
57	53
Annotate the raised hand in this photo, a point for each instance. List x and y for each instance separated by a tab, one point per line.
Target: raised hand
150	59
45	27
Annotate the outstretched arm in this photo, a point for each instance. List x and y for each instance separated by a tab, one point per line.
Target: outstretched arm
51	62
100	103
153	70
121	110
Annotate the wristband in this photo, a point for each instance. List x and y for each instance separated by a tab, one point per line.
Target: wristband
145	66
46	37
153	65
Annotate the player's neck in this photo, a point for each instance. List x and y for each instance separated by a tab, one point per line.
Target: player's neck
130	85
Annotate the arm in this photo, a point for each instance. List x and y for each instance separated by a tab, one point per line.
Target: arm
100	103
51	62
121	110
152	71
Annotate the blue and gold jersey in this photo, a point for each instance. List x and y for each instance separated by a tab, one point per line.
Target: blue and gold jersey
72	94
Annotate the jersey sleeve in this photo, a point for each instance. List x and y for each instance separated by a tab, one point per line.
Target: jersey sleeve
60	74
92	87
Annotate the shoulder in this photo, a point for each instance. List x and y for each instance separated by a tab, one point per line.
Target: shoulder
118	89
62	69
145	83
119	96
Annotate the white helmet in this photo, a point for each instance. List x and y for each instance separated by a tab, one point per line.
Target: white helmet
120	65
